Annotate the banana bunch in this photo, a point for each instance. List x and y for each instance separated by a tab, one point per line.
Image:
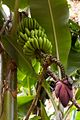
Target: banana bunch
32	37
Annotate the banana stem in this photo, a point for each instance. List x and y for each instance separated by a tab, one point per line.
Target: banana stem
34	103
50	59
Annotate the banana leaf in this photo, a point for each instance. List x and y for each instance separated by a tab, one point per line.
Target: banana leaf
52	15
73	61
16	53
11	3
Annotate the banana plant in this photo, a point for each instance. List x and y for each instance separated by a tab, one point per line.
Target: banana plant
36	37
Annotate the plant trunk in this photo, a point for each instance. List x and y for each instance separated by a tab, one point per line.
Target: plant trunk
8	102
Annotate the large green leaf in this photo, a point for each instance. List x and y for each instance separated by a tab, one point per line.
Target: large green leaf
73	61
78	94
53	16
16	53
77	115
36	118
11	3
24	99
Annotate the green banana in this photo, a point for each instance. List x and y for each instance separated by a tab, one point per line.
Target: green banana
30	46
19	28
23	24
34	24
36	33
42	34
37	25
26	49
20	41
39	33
27	32
22	36
40	42
45	45
49	46
26	22
27	52
40	28
33	43
36	43
33	37
45	35
32	33
31	23
26	37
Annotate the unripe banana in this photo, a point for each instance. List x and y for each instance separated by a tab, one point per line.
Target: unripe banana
32	42
44	45
45	35
48	45
22	36
20	28
36	33
36	43
32	33
42	34
26	37
29	23
20	41
27	52
30	45
23	24
27	32
39	32
35	24
33	37
26	21
26	48
40	42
